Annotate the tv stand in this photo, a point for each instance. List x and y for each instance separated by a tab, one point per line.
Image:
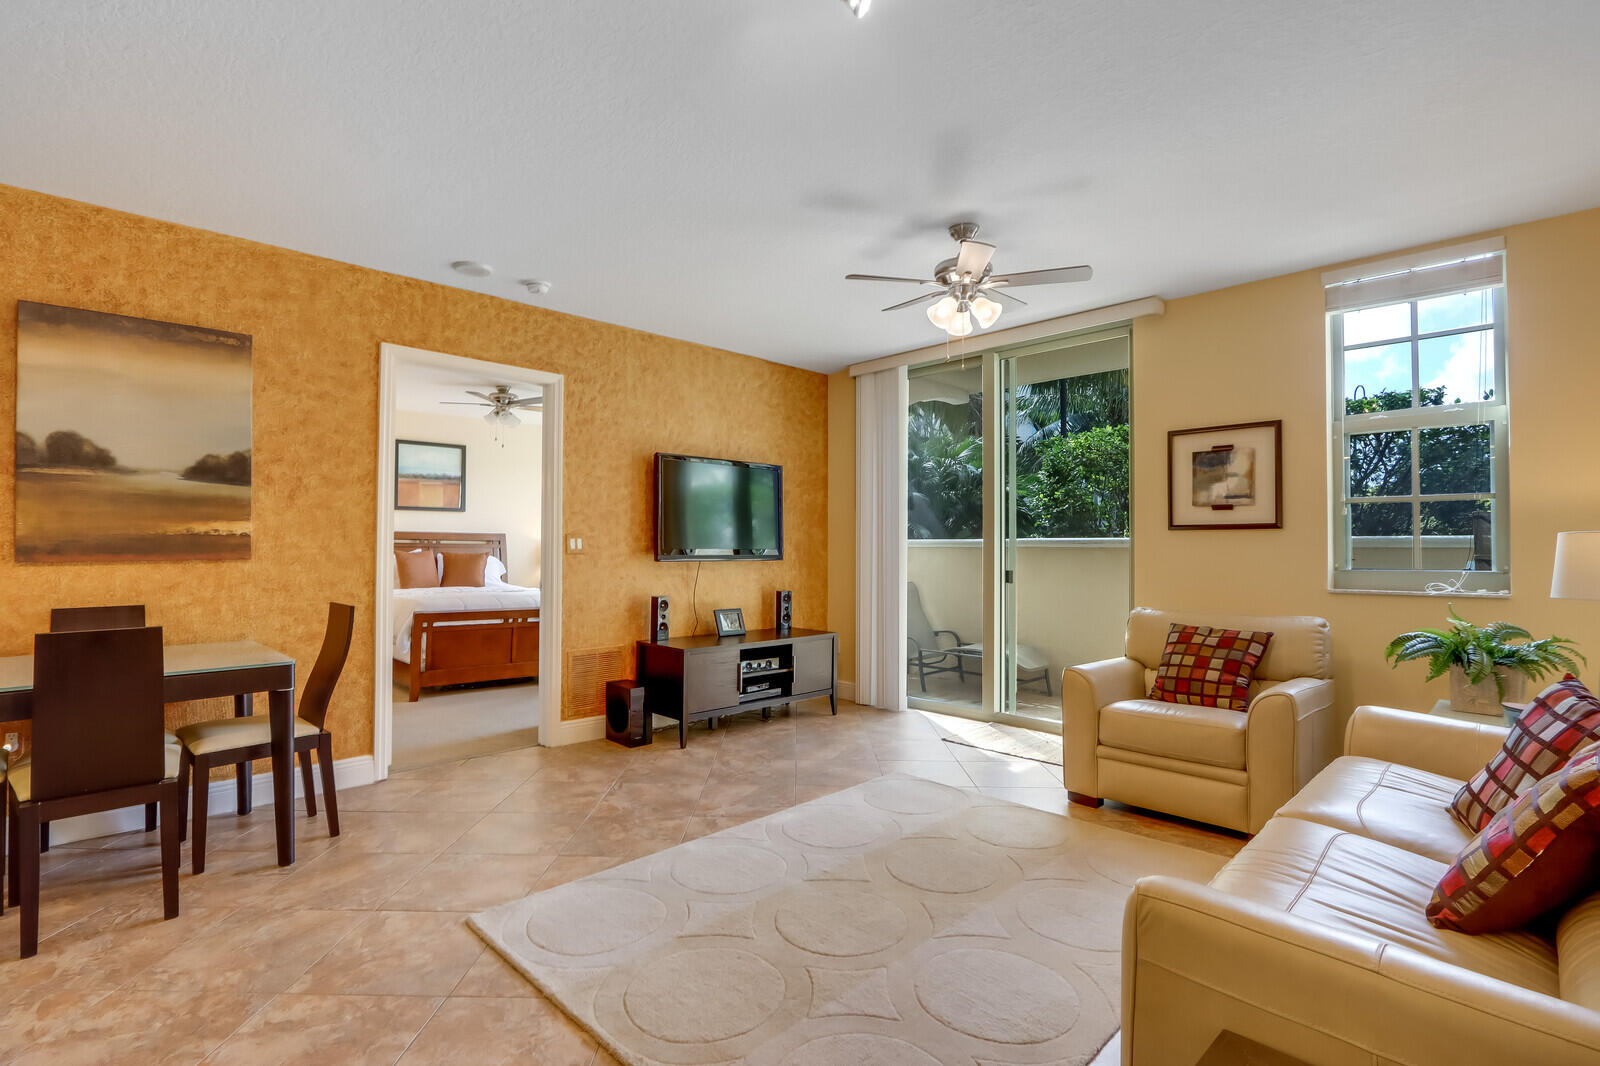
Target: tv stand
701	679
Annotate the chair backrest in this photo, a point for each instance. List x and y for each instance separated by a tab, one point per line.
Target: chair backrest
1301	645
97	711
329	665
79	619
918	628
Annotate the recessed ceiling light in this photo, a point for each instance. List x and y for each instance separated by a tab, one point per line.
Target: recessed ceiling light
535	286
472	269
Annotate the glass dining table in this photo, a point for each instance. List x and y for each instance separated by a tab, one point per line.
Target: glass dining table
238	669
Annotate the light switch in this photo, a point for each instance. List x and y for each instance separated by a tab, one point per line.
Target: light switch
574	544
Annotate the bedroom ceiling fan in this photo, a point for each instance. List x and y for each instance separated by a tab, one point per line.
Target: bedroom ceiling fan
961	287
502	402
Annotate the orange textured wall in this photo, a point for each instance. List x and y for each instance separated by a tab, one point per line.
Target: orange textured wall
317	326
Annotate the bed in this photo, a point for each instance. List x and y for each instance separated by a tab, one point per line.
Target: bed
454	636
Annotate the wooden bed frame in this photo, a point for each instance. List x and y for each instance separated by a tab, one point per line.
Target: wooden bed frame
475	645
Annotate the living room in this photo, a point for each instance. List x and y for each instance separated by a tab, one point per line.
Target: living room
893	389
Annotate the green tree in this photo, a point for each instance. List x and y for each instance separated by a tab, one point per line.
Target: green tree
944	480
1081	489
1450	459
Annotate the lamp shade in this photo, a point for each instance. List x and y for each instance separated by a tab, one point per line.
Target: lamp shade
1577	573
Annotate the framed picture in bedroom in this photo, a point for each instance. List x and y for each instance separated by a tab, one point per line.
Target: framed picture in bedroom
429	476
1226	477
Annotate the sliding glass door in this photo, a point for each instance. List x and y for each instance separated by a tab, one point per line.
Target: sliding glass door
1019	566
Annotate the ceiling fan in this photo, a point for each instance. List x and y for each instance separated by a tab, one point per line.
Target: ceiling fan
961	287
502	402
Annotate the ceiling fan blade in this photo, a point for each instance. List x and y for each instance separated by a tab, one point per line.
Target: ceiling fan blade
528	401
883	277
481	395
466	403
997	291
924	298
1044	277
973	259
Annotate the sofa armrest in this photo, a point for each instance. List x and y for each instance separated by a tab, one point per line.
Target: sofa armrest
1084	690
1196	962
1289	737
1445	746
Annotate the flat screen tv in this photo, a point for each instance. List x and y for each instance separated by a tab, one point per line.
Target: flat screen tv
718	509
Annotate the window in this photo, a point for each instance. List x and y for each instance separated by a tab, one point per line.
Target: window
1417	361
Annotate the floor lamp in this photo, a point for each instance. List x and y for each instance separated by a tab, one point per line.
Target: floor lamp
1577	572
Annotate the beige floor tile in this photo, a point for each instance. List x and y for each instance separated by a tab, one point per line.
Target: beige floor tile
541	795
490	1031
390	795
1014	773
249	953
491	975
346	880
139	1026
469	883
738	793
946	773
627	836
571	867
511	833
396	953
349	1030
457	796
401	832
916	750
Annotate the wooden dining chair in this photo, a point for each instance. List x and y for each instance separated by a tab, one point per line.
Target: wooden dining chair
229	741
97	725
82	619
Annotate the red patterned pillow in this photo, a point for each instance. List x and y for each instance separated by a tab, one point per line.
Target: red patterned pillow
1208	667
1561	720
1534	857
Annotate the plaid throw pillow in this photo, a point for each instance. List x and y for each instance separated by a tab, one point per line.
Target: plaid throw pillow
1534	857
1208	667
1561	720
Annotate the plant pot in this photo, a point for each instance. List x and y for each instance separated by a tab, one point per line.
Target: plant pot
1485	697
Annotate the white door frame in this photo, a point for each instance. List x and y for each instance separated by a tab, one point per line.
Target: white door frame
391	358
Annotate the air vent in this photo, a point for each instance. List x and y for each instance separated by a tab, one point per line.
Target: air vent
583	689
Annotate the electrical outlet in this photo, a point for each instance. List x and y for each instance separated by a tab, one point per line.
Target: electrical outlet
12	742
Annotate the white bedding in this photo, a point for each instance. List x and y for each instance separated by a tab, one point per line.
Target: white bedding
408	602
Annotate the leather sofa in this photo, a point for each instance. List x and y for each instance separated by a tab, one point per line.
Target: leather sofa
1206	763
1312	941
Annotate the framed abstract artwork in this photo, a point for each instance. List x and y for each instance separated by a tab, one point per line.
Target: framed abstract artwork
429	476
1226	477
133	439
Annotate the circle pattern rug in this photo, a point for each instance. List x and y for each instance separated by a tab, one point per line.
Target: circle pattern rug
898	922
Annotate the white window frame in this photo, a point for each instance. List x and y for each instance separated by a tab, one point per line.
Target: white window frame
1464	269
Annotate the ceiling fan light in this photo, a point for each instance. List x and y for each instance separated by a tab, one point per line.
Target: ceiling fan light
986	311
960	324
942	311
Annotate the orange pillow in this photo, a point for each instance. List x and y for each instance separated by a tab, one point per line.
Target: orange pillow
463	569
418	569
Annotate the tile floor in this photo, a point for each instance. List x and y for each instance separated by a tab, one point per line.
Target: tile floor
459	723
359	952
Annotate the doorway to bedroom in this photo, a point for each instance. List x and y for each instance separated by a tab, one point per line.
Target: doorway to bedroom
465	515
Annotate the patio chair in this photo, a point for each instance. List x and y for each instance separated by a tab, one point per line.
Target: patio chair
927	656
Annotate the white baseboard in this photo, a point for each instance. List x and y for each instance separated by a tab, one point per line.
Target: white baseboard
846	690
576	731
222	799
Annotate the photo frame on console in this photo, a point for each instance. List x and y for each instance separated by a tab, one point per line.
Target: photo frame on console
730	622
1226	477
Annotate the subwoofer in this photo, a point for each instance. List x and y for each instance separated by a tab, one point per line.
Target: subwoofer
658	619
626	721
785	610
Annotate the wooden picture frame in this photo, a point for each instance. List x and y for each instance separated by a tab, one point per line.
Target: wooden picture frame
730	621
1218	476
429	476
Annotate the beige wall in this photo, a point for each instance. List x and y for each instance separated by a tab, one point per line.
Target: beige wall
503	490
1257	351
842	518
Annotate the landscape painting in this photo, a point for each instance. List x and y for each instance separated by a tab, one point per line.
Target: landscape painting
1224	477
133	439
430	477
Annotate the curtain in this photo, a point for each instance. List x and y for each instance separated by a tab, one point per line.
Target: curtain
881	401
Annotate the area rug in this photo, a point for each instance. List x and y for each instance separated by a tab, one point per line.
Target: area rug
1004	739
898	923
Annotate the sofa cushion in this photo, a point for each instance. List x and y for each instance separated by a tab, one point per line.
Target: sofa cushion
1301	646
1386	802
1338	879
1562	719
1208	667
1533	859
1209	735
1578	953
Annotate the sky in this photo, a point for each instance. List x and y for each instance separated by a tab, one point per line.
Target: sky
1463	364
158	396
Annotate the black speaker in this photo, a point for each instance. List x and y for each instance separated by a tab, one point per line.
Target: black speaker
626	721
658	619
785	610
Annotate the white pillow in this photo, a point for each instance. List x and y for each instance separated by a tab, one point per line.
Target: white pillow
494	572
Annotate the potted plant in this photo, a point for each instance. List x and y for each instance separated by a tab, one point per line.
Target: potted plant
1488	665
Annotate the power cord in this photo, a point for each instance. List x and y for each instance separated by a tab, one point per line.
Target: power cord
694	600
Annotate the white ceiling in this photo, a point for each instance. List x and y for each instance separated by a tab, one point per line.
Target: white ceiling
426	388
709	169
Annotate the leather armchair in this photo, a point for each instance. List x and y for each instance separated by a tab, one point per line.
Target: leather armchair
1212	765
